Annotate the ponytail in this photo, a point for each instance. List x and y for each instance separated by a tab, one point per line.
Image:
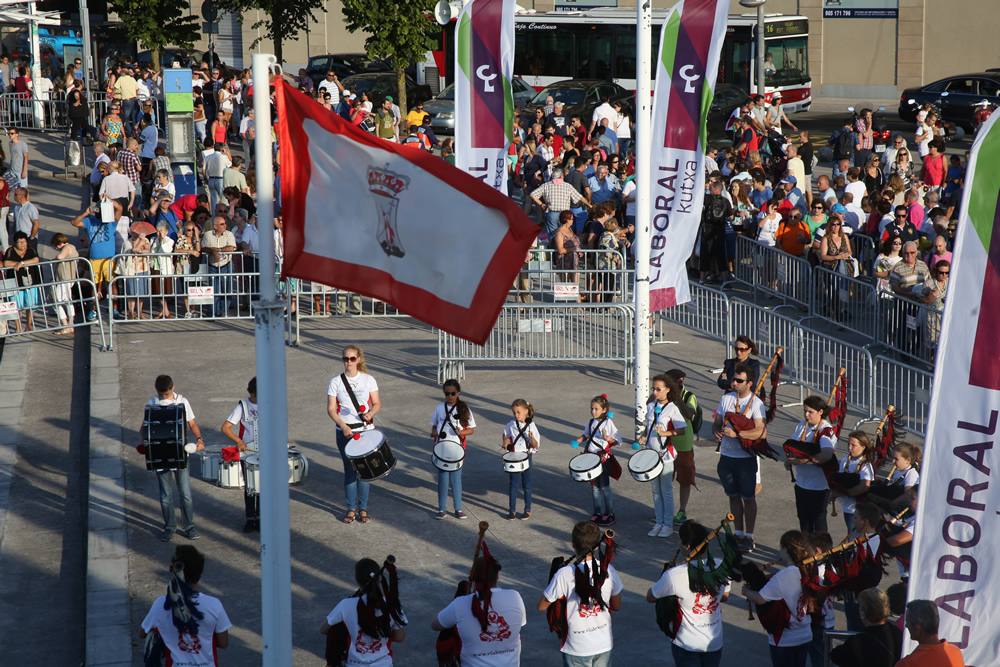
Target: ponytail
521	403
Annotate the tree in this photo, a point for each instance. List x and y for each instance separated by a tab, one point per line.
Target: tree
157	23
401	31
280	19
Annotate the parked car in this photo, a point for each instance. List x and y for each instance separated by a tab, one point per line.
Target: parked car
955	96
580	97
727	97
442	107
344	64
169	55
380	84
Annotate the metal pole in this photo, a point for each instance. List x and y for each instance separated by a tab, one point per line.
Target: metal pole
275	556
85	26
760	50
643	205
36	66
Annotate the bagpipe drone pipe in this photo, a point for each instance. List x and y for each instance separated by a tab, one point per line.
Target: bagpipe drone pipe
448	645
604	555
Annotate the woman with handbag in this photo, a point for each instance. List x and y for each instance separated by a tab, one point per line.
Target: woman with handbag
835	250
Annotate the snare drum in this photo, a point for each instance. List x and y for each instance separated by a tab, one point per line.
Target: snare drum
516	461
252	464
204	465
449	455
585	467
230	475
645	465
298	467
370	455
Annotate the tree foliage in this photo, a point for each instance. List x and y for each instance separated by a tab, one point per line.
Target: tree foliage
280	19
157	23
399	30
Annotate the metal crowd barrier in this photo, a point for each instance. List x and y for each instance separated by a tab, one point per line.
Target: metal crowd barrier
546	332
708	313
29	113
906	387
769	330
910	327
865	251
819	357
539	280
772	271
56	295
845	301
311	300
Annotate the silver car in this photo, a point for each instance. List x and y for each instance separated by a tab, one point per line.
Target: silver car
442	107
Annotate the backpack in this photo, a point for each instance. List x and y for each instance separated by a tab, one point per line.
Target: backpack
843	145
698	419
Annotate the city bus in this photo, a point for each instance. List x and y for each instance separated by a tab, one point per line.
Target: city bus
600	44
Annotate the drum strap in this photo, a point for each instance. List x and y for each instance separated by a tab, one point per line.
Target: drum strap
449	414
350	393
597	430
521	435
657	410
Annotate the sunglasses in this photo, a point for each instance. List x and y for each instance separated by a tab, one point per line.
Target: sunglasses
944	273
739	381
817	208
351	359
451	393
742	349
900	215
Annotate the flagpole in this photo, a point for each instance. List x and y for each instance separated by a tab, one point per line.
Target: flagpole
275	553
643	205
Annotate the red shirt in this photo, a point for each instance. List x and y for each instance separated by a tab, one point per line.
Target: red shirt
934	170
183	205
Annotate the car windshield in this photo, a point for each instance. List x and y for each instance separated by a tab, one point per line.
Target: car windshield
568	96
363	84
447	94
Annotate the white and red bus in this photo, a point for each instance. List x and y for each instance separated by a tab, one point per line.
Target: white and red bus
600	44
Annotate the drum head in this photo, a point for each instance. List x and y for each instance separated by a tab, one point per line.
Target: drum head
253	460
363	444
643	461
514	457
449	451
584	462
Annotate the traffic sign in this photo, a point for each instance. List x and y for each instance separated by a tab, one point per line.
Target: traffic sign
209	11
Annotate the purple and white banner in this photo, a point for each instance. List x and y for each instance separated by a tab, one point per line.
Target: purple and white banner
955	540
484	99
686	69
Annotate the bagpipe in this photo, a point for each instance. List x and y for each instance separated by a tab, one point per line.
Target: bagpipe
338	639
775	615
891	527
803	449
703	577
886	434
555	615
740	422
449	644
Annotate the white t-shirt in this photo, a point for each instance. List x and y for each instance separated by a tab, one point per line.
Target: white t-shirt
924	135
216	164
244	415
787	585
809	476
910	477
446	418
188	650
178	398
768	229
857	190
701	615
596	441
43	87
670	418
332	88
500	645
627	190
121	234
864	469
363	386
604	110
363	649
521	443
729	403
589	627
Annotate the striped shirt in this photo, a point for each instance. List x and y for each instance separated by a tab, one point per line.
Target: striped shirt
130	165
559	196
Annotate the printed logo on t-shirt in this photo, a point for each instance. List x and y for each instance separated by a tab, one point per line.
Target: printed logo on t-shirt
589	611
189	643
497	629
704	603
365	644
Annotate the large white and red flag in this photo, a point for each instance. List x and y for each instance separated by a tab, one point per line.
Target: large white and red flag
402	226
686	68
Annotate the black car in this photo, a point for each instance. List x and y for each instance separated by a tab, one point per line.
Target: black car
727	97
344	64
954	96
580	97
380	84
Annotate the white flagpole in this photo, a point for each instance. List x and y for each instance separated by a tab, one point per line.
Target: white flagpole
643	205
275	554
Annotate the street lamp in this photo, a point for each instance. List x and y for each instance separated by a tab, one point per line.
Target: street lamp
759	6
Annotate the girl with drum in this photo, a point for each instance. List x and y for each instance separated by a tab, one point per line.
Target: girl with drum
520	440
451	423
600	435
666	417
352	403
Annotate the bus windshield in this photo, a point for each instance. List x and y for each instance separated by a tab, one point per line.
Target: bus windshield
785	61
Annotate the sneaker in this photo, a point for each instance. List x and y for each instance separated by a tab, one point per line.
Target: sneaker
441	515
666	531
596	518
92	316
680	518
655	530
510	516
191	533
461	515
525	516
166	535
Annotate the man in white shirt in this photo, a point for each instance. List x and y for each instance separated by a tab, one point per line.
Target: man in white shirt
216	162
117	185
241	428
218	243
604	110
165	395
589	640
331	84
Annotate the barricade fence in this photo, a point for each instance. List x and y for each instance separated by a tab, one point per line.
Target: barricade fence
708	313
906	387
592	276
910	327
53	296
771	271
845	301
29	113
546	332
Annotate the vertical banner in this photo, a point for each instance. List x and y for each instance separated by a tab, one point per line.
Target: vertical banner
484	99
956	539
686	69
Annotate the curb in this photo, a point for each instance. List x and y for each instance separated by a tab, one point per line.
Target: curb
13	378
109	635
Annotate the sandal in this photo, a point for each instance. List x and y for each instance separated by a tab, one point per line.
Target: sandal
349	517
364	518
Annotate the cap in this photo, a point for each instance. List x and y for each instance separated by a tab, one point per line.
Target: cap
346	93
776	96
790	179
388	98
838	208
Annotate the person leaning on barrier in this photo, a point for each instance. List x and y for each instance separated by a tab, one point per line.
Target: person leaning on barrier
879	644
66	276
911	277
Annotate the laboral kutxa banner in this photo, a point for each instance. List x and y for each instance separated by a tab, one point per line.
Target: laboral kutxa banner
686	69
957	531
484	99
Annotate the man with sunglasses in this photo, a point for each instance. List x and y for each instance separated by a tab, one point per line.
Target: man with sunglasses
911	277
737	468
901	228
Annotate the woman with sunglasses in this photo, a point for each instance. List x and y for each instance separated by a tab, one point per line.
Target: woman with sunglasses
452	418
872	176
835	247
113	126
187	249
744	348
340	406
817	216
903	166
889	256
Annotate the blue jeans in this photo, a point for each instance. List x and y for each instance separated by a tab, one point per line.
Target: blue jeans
182	480
599	660
789	656
215	188
686	658
601	490
663	499
849	522
551	222
454	479
129	110
355	490
522	479
580	216
222	286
